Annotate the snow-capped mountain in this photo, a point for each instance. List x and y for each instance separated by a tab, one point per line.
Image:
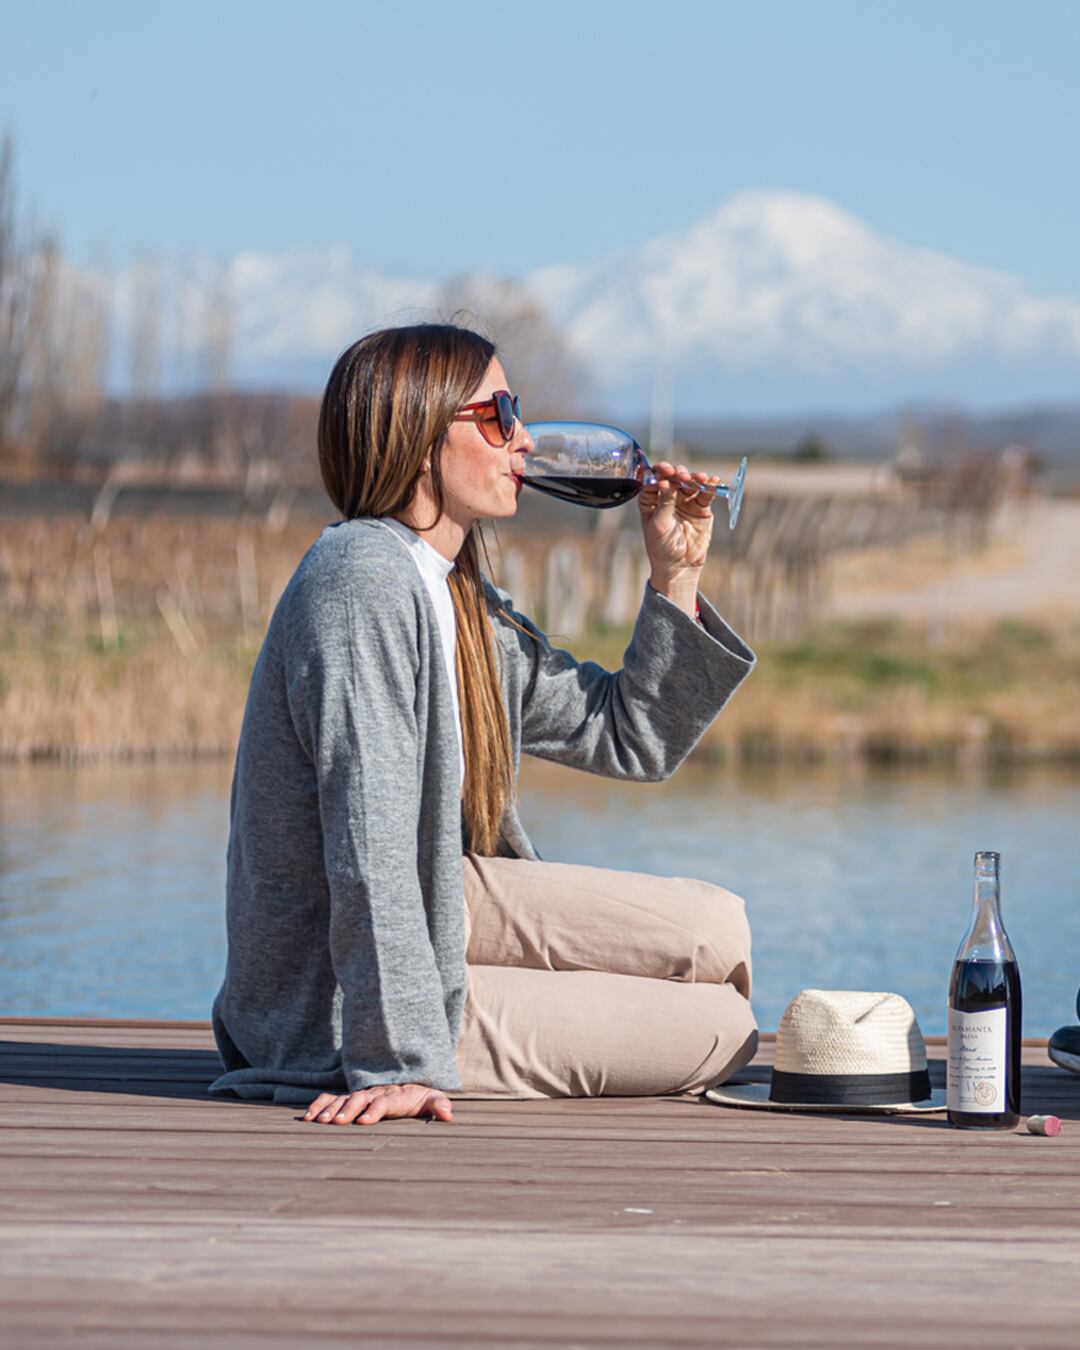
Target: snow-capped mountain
782	276
778	299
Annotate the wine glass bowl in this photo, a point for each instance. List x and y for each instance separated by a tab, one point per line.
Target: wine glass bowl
592	464
585	462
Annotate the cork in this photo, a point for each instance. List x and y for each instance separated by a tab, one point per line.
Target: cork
1050	1125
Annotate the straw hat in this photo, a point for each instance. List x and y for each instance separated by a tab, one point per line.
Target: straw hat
843	1050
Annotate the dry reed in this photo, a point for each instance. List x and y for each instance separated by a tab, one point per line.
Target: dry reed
139	640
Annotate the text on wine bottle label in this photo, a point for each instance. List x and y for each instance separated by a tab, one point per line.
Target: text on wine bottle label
977	1057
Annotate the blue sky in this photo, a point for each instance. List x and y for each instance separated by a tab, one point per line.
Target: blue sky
433	137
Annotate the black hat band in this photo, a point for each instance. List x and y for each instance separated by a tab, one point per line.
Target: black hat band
849	1089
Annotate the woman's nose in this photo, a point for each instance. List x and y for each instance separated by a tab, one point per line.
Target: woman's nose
522	443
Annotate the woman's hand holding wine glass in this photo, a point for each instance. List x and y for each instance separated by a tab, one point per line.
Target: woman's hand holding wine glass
677	524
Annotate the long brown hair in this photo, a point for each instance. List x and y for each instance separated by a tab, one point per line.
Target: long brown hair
388	406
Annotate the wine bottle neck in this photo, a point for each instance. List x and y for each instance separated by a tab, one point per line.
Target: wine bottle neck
988	885
986	939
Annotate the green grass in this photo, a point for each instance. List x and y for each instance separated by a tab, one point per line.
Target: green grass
883	692
876	691
880	657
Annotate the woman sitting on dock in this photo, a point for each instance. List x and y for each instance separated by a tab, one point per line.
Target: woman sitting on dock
394	940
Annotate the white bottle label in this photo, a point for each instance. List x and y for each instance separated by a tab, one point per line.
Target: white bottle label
976	1072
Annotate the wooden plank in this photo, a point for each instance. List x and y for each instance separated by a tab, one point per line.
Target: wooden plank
137	1210
110	1034
79	1024
511	1207
117	1070
334	1182
131	1090
594	1117
144	1087
1028	1156
138	1116
748	1287
13	1052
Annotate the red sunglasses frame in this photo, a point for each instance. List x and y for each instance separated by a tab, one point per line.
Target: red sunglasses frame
470	412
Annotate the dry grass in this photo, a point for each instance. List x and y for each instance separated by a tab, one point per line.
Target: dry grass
853	694
138	639
146	649
68	703
919	562
879	692
59	578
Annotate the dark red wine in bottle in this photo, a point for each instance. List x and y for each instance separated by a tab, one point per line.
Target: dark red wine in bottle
985	1015
600	493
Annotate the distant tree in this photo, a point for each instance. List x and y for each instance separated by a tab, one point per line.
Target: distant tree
147	329
264	439
551	380
217	333
146	351
65	362
23	295
89	344
812	449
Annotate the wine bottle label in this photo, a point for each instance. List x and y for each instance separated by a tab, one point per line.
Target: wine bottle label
977	1057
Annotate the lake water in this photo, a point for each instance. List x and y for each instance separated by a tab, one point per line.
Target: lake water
112	876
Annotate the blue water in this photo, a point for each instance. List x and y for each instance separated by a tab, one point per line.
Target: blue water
111	877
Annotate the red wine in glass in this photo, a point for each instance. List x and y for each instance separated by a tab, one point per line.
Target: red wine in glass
600	493
591	464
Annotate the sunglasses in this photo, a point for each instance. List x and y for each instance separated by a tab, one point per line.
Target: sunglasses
495	416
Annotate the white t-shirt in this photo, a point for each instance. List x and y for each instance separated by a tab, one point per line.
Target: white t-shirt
435	571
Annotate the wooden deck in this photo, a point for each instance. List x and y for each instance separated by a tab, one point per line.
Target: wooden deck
140	1213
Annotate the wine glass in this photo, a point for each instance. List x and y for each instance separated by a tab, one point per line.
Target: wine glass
600	466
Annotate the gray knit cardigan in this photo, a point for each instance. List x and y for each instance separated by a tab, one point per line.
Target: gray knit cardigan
346	962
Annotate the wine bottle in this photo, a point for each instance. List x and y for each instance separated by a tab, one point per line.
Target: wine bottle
983	1074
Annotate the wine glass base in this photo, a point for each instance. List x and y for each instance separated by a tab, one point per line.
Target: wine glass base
735	494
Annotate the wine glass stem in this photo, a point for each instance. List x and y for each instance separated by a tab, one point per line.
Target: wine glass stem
717	489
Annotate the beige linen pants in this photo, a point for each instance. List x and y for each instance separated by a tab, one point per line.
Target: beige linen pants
586	982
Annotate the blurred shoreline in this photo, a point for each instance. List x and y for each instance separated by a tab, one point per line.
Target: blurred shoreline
856	694
139	642
933	620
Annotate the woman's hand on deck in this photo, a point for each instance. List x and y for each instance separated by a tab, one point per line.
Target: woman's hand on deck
387	1101
677	525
